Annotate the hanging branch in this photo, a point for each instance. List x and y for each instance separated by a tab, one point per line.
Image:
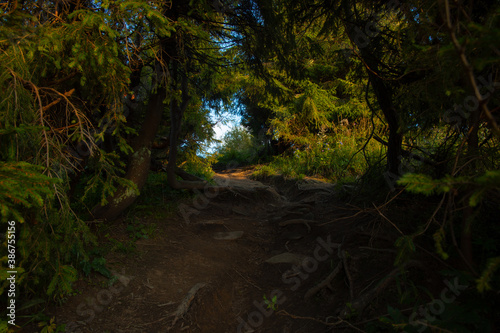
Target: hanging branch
469	71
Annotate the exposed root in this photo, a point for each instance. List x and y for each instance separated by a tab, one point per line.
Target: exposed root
183	308
324	283
210	222
326	323
298	221
285	313
363	211
295	206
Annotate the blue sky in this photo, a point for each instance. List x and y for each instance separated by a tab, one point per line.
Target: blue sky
224	122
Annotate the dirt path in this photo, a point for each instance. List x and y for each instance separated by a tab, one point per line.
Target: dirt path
206	270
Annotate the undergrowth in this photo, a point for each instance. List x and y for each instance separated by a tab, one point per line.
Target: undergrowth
239	148
341	156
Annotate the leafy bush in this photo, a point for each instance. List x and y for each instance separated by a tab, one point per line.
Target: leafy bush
335	156
479	189
238	148
199	166
49	241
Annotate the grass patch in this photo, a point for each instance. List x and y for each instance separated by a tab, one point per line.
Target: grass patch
334	158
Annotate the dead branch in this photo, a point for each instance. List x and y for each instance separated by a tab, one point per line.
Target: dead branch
359	304
368	211
469	71
385	218
348	274
67	94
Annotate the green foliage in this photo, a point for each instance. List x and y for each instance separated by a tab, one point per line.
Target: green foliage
51	326
272	303
105	177
98	264
62	281
55	78
23	186
123	247
489	181
406	247
266	170
424	184
353	313
137	230
198	166
46	239
477	187
483	282
465	317
239	147
334	156
67	75
439	237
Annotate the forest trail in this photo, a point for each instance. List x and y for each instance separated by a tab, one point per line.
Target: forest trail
206	269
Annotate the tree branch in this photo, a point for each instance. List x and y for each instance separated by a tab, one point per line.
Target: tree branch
469	71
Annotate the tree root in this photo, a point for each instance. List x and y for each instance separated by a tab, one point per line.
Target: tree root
210	222
183	308
326	323
324	283
297	221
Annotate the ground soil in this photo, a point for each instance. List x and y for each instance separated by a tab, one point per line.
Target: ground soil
186	279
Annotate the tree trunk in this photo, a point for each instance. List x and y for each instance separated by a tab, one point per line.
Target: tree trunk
168	58
371	57
176	114
384	98
139	163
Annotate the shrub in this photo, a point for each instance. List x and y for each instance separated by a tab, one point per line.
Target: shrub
239	147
